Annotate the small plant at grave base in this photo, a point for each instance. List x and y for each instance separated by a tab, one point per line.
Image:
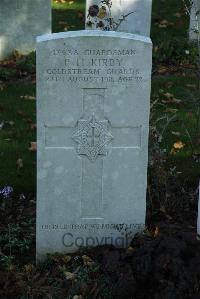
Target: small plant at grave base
175	52
196	100
166	195
159	176
90	280
13	241
100	17
7	73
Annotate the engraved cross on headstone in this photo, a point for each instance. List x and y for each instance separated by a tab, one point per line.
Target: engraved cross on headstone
92	139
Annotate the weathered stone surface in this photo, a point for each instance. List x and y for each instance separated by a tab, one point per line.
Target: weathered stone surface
194	30
93	94
138	12
20	22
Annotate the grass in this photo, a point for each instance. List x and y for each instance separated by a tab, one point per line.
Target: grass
169	20
19	114
19	117
184	126
68	16
69	5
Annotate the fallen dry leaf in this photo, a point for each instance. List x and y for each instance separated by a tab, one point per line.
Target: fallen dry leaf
156	48
165	24
62	23
70	275
33	147
33	126
87	261
162	26
176	101
27	97
178	14
66	258
11	123
29	268
191	85
156	232
2	86
162	209
21	113
20	163
170	84
176	133
178	145
80	14
171	110
168	95
2	125
162	69
170	99
130	250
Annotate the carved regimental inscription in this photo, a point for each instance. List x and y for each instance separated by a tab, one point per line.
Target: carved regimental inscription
92	139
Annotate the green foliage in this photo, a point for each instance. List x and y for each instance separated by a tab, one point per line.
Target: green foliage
7	73
18	113
68	4
169	20
175	52
14	240
27	63
68	15
87	277
177	98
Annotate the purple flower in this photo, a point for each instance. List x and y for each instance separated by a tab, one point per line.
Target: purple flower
6	191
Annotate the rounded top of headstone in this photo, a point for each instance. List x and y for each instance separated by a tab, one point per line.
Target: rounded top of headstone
93	33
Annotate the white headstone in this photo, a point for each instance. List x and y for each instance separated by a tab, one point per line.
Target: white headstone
93	95
194	30
20	22
138	20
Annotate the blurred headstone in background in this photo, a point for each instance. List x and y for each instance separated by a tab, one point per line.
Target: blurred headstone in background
20	22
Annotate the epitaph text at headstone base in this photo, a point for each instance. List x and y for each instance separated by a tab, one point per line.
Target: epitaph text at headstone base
136	15
93	92
20	22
